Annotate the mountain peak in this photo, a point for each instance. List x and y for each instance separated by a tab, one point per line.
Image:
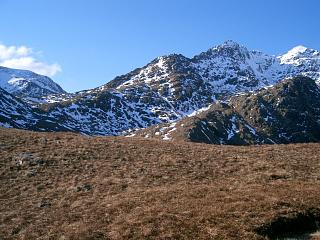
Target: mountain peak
297	52
27	84
298	49
231	46
170	56
228	49
230	43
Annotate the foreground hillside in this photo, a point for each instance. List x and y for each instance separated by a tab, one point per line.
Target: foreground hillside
67	186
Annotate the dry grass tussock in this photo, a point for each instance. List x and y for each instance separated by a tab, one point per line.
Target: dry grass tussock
67	186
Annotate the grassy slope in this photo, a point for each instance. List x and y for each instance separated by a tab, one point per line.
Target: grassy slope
67	186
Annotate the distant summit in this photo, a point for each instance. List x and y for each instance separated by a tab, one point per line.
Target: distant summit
27	84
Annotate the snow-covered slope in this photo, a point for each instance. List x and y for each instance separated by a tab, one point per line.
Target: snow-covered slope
174	86
301	60
26	84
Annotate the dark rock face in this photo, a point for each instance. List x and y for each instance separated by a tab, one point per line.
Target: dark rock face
222	125
288	112
285	113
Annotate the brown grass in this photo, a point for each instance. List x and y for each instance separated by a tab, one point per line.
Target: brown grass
67	186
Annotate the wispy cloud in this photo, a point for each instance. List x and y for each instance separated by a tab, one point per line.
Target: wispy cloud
22	57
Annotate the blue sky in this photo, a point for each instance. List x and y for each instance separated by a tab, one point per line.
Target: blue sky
93	41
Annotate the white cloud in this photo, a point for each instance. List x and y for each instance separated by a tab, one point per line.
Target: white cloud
22	57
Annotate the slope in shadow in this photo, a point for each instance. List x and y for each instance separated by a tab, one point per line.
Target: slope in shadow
303	225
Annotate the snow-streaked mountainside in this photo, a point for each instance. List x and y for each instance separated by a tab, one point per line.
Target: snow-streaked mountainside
288	112
15	113
26	84
174	86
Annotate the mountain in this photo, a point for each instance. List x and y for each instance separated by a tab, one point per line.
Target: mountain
172	87
288	112
27	85
15	113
